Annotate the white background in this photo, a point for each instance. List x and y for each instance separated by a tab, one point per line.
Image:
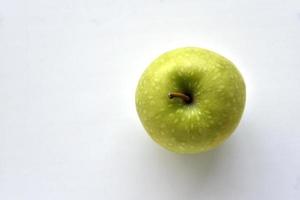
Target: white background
68	125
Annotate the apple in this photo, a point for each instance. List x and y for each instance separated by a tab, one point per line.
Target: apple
190	100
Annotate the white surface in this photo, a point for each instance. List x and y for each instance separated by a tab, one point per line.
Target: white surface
68	125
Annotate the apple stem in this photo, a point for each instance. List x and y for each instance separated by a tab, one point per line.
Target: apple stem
184	97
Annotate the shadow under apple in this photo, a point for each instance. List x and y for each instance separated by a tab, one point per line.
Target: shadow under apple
194	169
204	172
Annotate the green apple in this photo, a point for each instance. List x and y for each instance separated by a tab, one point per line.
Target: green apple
190	99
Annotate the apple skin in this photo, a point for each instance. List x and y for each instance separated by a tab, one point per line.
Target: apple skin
218	97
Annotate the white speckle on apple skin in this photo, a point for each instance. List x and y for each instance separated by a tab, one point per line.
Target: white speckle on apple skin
219	99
